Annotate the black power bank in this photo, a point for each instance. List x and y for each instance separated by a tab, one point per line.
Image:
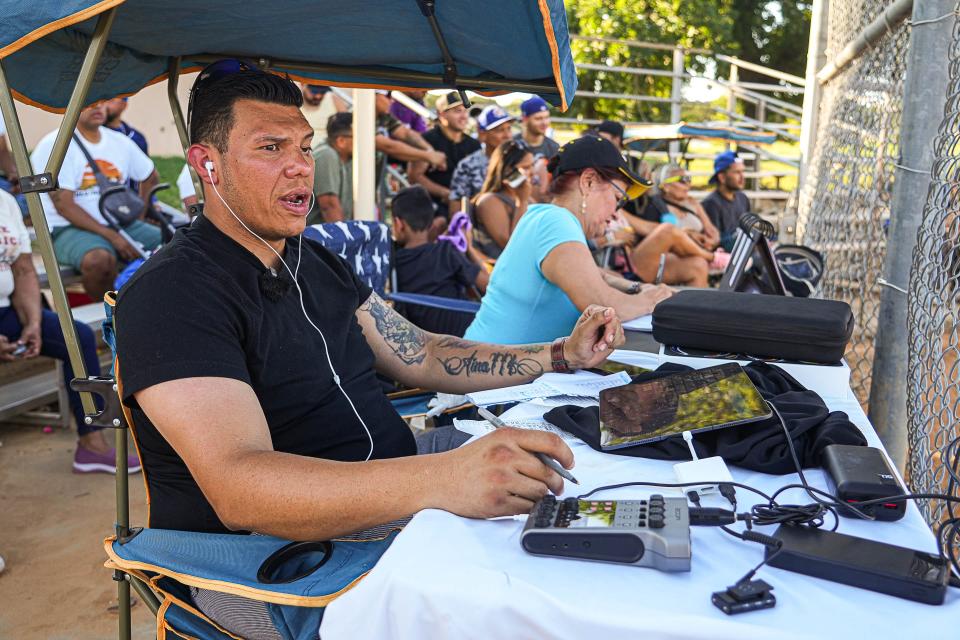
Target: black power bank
858	474
859	562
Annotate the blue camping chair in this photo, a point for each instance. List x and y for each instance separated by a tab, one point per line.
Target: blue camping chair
296	580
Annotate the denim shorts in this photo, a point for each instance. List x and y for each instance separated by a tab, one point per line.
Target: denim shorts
71	244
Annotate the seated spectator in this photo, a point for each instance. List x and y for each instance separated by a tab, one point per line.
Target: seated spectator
319	103
494	127
672	203
333	173
612	131
27	330
408	116
536	124
430	267
396	140
503	198
9	176
288	447
81	237
547	274
727	202
536	127
449	136
115	108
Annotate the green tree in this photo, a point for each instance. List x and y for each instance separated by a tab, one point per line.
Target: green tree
770	33
706	24
774	34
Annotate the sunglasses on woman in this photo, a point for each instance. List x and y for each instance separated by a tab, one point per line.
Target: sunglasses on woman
682	179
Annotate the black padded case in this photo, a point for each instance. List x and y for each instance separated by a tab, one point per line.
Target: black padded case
804	329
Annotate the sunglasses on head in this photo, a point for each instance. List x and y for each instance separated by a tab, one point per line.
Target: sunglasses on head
682	179
214	72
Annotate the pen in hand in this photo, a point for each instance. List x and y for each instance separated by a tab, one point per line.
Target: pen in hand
544	458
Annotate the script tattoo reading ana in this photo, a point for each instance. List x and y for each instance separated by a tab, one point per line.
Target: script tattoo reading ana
497	363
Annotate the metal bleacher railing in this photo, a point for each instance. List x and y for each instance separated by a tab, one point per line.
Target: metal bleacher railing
757	94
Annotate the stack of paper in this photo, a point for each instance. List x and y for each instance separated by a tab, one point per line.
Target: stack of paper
582	384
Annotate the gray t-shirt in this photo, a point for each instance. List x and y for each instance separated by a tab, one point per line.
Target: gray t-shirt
725	214
332	176
546	149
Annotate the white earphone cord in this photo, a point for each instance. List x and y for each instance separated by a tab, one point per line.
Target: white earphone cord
293	274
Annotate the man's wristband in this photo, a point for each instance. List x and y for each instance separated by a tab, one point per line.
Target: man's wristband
557	360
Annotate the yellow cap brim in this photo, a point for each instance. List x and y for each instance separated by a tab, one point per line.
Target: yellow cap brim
636	186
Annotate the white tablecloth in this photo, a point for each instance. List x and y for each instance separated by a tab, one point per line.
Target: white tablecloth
451	577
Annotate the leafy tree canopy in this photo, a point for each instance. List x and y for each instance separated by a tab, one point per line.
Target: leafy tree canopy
773	34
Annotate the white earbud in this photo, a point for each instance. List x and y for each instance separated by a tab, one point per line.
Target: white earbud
208	165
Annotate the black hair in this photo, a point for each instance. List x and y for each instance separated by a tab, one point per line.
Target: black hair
211	116
414	206
339	125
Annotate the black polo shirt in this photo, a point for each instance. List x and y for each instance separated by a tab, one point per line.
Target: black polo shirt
196	309
455	152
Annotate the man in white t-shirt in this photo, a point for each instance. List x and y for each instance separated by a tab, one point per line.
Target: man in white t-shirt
9	181
27	330
81	237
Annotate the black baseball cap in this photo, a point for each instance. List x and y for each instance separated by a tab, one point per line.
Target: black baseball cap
590	152
613	128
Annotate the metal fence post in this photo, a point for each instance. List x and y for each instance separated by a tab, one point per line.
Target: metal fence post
676	95
732	97
816	57
924	95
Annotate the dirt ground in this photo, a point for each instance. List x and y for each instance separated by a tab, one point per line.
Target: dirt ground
52	526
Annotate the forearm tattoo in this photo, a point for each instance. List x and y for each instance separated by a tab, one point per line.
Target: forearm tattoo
464	359
404	338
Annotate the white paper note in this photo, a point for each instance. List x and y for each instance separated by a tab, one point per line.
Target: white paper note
587	387
643	323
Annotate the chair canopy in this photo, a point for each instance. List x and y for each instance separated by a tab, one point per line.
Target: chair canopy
494	46
647	137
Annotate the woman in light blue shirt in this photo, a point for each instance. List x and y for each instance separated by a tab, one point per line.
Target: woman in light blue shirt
546	275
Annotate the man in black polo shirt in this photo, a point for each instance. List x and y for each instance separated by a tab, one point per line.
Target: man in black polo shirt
248	355
449	137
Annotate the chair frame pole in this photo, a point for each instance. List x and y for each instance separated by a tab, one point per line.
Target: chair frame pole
18	147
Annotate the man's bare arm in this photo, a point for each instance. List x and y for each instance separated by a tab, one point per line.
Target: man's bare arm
454	365
405	152
330	208
417	173
152	180
73	213
254	488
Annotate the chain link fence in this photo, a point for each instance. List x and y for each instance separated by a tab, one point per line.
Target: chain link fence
933	384
844	206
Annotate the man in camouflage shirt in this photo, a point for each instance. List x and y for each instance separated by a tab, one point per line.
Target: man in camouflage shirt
494	128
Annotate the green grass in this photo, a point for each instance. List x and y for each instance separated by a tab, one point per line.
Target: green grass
169	167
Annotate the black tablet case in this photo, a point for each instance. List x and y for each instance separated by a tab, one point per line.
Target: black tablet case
802	329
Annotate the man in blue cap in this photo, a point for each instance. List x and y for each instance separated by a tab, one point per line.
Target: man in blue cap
536	123
494	127
727	202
